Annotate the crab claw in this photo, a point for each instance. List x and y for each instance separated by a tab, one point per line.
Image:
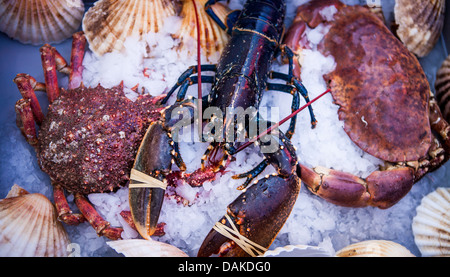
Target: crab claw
257	215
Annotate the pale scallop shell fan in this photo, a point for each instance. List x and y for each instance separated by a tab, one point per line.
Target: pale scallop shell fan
419	23
375	248
40	21
212	38
29	227
431	225
145	248
109	22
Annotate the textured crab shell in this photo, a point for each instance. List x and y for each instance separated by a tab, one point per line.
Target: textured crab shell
29	227
89	139
442	86
109	22
40	21
431	225
419	23
379	85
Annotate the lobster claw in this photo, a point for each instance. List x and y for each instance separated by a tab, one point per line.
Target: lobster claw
147	186
257	215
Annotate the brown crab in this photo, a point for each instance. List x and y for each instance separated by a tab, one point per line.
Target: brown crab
385	103
88	140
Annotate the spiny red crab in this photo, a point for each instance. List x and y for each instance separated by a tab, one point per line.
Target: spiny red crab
88	140
385	103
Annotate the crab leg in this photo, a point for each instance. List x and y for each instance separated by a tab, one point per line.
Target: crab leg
62	207
100	225
381	189
26	85
25	121
76	60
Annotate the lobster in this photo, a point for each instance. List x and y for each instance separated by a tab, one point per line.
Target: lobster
254	219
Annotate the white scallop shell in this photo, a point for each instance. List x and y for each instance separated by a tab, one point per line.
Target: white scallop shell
212	38
29	227
297	251
431	225
109	22
442	86
40	21
420	24
145	248
374	248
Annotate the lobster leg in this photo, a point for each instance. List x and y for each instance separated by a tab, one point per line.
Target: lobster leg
186	79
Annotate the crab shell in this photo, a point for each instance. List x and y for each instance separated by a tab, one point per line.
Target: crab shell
379	85
90	136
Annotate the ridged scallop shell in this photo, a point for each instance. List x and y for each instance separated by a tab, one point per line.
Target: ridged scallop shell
297	251
40	21
109	22
212	38
431	225
145	248
29	227
374	248
419	23
442	86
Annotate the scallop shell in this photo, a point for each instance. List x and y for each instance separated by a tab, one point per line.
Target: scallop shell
419	23
431	225
145	248
297	251
212	38
374	248
40	21
442	86
109	22
29	227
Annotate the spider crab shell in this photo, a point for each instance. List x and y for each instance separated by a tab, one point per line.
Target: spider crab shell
442	86
419	23
374	248
40	21
431	225
29	226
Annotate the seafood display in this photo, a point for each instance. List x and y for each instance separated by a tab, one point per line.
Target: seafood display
419	24
241	77
40	21
431	225
29	226
387	108
88	139
374	248
139	188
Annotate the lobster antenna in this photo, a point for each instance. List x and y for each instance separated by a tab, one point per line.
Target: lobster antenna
250	142
199	74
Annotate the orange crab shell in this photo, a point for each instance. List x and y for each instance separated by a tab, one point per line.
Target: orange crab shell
379	85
